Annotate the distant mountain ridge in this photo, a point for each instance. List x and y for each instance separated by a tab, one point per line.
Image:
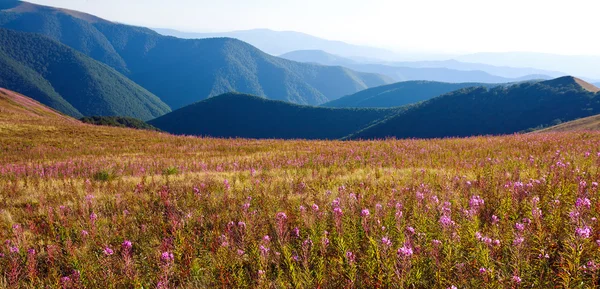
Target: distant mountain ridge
492	111
280	42
429	71
399	94
183	71
68	81
247	116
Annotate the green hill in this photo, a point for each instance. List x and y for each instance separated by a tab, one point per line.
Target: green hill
398	94
183	71
118	121
492	111
69	81
241	115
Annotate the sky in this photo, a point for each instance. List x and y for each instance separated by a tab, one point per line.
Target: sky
439	26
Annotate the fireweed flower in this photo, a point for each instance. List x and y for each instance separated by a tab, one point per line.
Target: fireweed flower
127	245
516	279
315	207
520	227
365	213
583	232
296	232
14	249
167	257
351	257
583	203
405	251
482	270
108	251
386	241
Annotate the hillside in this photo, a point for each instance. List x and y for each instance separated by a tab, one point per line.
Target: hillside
582	124
492	111
118	121
183	71
69	81
398	72
240	115
398	94
16	107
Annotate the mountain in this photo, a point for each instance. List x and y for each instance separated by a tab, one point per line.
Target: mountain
247	116
280	42
586	123
399	94
397	73
69	81
502	71
183	71
579	65
492	111
318	56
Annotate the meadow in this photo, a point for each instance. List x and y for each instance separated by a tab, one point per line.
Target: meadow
84	206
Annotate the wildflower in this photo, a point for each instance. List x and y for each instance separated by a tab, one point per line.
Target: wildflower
31	251
263	250
336	202
337	211
365	213
516	279
14	249
108	251
84	233
246	206
261	273
520	227
240	252
436	242
583	232
405	251
302	209
518	241
227	185
93	217
127	245
167	257
446	221
583	202
495	219
378	207
281	216
266	239
315	207
410	230
350	256
386	241
476	202
482	270
452	287
296	232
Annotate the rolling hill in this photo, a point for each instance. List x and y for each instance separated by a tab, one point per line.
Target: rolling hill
582	124
399	94
492	111
407	73
247	116
69	81
183	71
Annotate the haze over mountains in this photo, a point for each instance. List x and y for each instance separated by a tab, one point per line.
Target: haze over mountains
182	71
448	70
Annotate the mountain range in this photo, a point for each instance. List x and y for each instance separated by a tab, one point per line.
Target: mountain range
492	111
478	110
69	81
399	94
248	116
431	71
280	42
183	71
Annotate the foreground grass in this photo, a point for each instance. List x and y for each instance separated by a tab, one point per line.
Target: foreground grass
96	207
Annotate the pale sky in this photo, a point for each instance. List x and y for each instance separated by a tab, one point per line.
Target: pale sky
448	26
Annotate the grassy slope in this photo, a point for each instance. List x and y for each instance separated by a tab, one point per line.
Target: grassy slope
240	115
586	123
500	110
398	94
69	81
186	195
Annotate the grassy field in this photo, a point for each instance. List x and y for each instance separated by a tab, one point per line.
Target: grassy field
84	206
